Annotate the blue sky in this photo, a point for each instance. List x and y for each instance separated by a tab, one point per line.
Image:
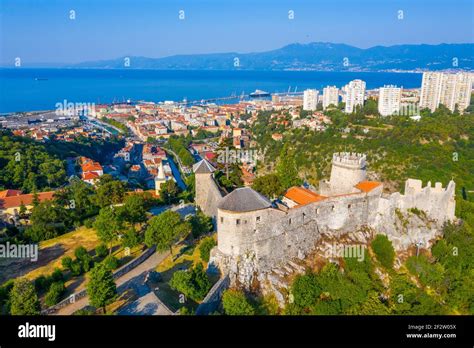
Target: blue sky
41	31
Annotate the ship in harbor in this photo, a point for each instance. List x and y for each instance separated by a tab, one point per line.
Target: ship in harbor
259	94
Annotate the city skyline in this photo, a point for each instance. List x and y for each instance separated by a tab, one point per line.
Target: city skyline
45	33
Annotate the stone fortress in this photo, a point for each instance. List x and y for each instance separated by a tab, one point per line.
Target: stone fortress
256	237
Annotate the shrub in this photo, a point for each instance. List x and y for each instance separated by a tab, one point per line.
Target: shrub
130	239
192	283
306	290
84	312
80	253
428	273
89	223
67	262
57	275
383	250
41	283
5	294
101	250
76	268
205	248
54	294
236	303
111	262
83	257
23	298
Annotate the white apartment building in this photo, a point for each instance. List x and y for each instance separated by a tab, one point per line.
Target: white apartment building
447	89
389	100
354	95
330	96
310	99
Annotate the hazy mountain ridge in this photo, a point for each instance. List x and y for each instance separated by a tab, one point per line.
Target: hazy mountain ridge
312	56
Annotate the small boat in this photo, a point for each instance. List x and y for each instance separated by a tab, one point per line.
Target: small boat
40	79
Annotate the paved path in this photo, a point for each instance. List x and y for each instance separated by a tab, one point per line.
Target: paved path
128	280
146	304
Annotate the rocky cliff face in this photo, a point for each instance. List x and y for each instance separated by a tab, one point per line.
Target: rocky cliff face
405	230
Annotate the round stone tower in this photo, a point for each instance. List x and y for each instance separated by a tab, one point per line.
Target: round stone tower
348	169
239	215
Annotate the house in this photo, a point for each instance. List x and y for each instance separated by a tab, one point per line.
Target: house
91	170
90	177
12	200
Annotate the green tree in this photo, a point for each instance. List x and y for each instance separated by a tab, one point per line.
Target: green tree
166	229
306	290
108	225
101	288
383	250
268	185
54	293
205	248
48	220
193	283
169	192
101	250
83	258
236	303
23	298
134	209
287	170
109	191
200	224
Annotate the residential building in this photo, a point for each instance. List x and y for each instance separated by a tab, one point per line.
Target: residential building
330	96
354	95
389	100
448	89
310	99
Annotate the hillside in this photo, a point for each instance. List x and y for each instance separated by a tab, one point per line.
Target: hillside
322	56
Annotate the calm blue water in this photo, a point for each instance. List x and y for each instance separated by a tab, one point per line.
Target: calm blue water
19	91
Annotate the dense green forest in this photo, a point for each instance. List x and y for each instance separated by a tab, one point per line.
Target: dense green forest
438	147
29	165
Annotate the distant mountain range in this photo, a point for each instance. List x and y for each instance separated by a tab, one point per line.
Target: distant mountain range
321	56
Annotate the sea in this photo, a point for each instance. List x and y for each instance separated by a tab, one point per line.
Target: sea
28	89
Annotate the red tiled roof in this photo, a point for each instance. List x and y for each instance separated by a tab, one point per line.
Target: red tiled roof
9	193
301	195
367	186
89	175
26	199
89	167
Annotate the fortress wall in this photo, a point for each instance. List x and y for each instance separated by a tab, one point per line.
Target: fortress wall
255	247
437	203
208	194
282	236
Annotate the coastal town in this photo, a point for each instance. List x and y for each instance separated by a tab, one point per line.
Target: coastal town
146	126
212	173
202	160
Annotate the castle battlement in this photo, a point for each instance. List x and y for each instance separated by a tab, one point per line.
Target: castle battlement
415	186
254	237
350	158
